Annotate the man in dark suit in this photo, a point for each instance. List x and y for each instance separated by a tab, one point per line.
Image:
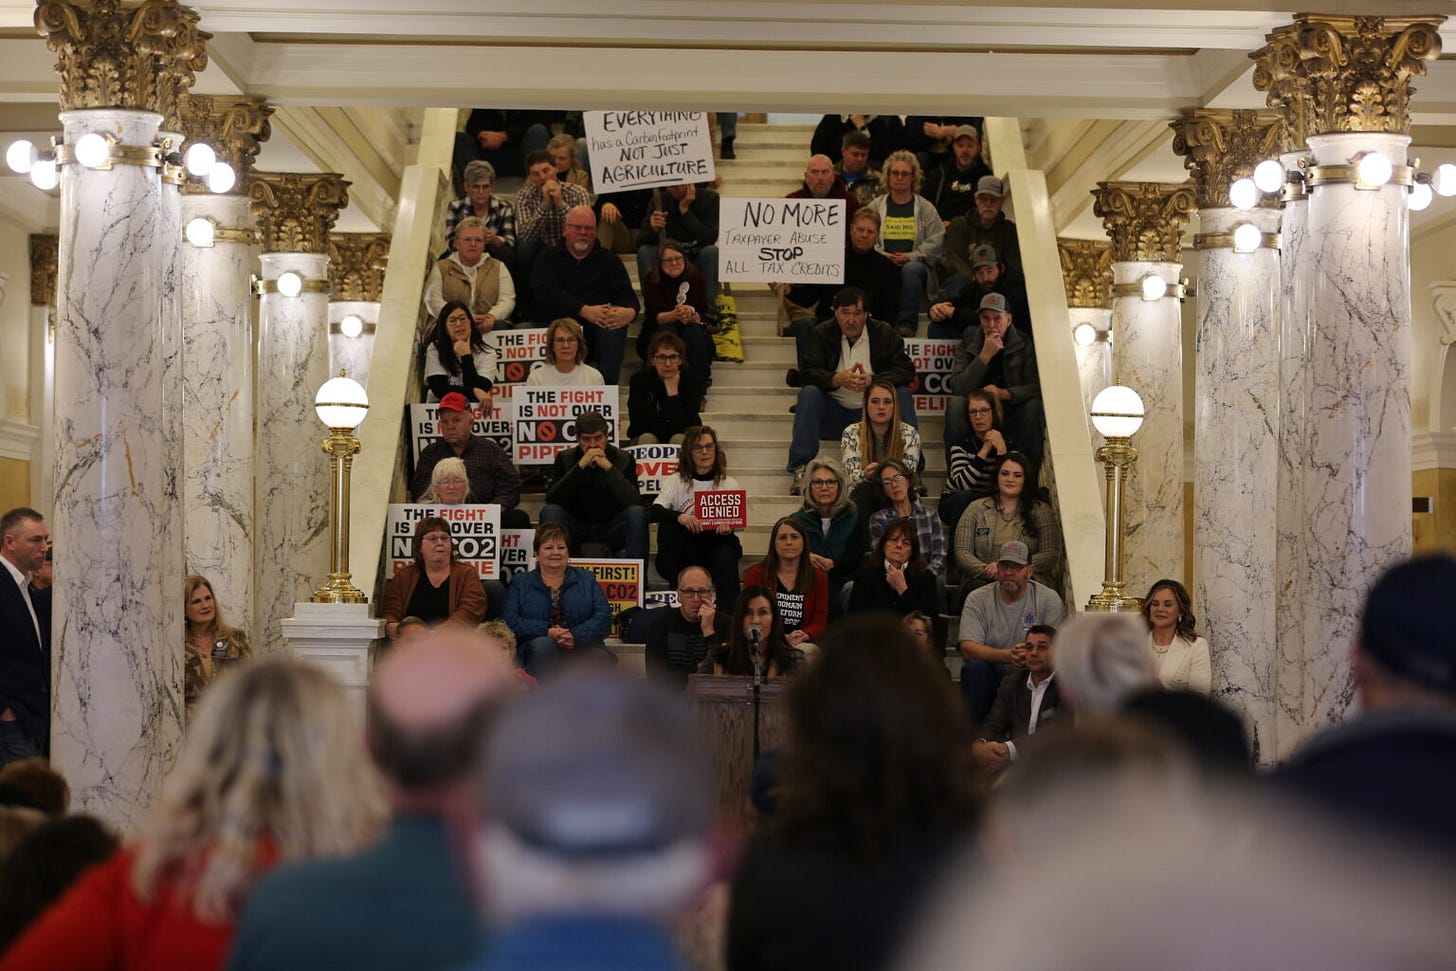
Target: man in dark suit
1028	699
25	638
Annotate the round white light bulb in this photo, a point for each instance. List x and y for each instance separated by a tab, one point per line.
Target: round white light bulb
1374	169
1084	334
43	174
351	326
1445	181
1269	175
1154	287
1420	197
290	284
1243	194
91	150
21	156
1117	412
221	178
1247	238
200	159
200	231
341	403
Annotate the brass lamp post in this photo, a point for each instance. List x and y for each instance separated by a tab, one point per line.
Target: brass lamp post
1117	412
341	405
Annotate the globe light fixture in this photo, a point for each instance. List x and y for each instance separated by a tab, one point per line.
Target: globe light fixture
1420	197
341	404
1117	413
1444	181
351	326
200	231
1084	334
43	174
1244	194
1372	170
200	159
221	178
290	284
1246	238
1268	175
1153	287
21	156
92	150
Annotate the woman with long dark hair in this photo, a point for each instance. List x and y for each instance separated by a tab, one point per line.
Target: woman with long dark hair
458	357
681	539
435	587
756	609
897	580
970	460
1181	656
675	299
1011	513
800	588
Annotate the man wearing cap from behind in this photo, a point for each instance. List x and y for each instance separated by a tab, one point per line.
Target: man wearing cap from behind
984	224
1390	768
994	623
596	803
996	358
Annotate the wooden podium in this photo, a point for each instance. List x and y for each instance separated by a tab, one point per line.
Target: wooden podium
725	709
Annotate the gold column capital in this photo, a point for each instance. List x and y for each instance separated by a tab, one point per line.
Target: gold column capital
1220	147
44	257
296	211
1330	74
236	127
110	54
1086	271
1144	220
356	265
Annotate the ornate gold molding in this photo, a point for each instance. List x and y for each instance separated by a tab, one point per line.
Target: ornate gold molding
295	212
114	55
1086	272
44	256
356	265
1329	74
1220	147
1144	220
235	127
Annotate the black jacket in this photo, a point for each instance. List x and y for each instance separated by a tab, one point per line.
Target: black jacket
888	357
594	495
25	664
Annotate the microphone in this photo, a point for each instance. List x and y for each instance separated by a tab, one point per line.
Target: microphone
754	633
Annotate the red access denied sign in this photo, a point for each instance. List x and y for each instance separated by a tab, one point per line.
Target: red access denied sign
727	507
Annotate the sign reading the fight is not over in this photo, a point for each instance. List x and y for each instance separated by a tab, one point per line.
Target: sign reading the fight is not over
520	352
475	531
546	419
499	426
781	240
655	465
642	149
721	507
933	360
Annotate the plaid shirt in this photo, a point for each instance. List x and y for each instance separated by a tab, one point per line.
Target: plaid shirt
539	221
927	527
500	219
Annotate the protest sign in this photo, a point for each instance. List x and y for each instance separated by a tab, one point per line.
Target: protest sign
546	419
622	582
642	149
516	553
933	362
721	507
655	465
499	426
475	530
773	240
520	353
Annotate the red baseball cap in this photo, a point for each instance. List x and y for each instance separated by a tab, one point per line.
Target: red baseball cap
454	401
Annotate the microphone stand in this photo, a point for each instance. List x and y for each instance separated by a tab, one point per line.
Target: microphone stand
757	685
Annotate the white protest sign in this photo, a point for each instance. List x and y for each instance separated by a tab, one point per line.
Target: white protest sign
655	465
642	149
500	427
475	531
521	352
546	419
933	362
774	240
517	554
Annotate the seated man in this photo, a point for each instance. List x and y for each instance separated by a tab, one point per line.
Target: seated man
1024	702
854	167
864	267
681	637
594	493
689	215
472	277
911	235
580	279
479	201
951	185
492	477
930	137
996	358
844	356
820	182
953	316
886	134
502	138
994	623
986	224
541	208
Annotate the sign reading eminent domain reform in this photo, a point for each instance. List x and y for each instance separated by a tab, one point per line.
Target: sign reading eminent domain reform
643	149
781	240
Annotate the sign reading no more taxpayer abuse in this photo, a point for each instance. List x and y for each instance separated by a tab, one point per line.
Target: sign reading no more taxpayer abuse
643	149
781	240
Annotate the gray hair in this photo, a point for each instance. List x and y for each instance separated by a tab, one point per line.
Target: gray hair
1102	659
841	502
477	171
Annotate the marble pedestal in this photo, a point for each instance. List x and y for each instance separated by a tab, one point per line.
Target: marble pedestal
337	638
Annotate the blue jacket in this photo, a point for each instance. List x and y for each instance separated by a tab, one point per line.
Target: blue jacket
528	606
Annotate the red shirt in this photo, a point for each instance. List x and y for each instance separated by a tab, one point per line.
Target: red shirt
814	605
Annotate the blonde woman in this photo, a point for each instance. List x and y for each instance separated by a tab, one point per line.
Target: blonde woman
565	358
449	484
877	437
211	644
271	770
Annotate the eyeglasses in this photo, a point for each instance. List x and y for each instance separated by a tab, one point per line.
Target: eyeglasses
666	358
450	480
435	538
705	447
977	412
696	592
672	261
895	479
824	482
581	228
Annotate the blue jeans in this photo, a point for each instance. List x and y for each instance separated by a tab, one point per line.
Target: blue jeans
506	160
605	350
945	330
727	124
706	261
914	281
979	681
625	531
15	744
537	654
495	599
954	284
819	417
802	329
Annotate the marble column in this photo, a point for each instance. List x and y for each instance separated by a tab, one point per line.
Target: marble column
169	245
43	260
1094	361
1145	223
357	262
218	444
352	354
291	538
1087	278
116	713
